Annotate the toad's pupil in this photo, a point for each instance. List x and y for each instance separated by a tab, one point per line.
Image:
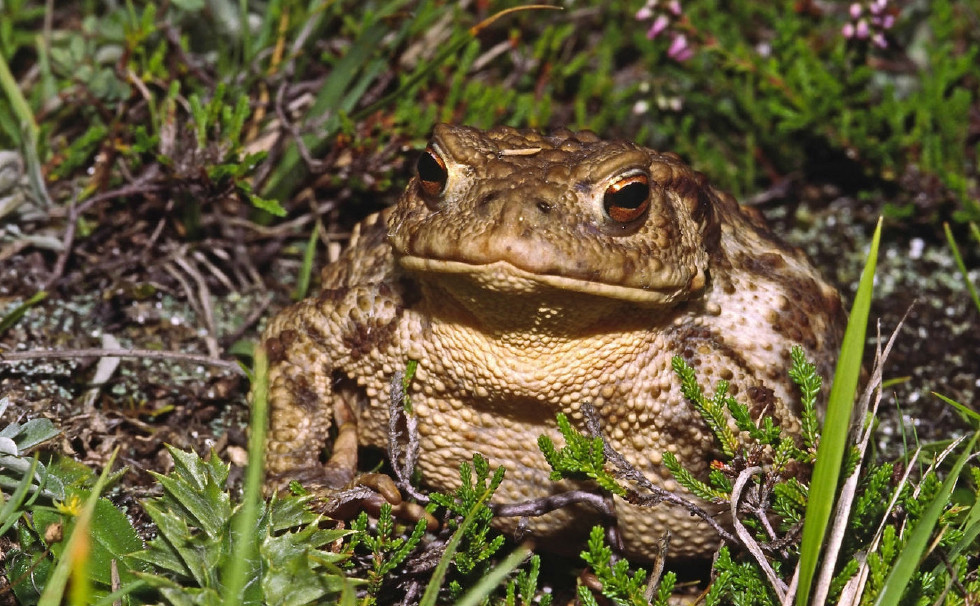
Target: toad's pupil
431	169
631	196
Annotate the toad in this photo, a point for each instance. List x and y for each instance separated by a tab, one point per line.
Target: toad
529	274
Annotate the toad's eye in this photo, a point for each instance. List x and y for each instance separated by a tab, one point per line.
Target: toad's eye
627	199
432	172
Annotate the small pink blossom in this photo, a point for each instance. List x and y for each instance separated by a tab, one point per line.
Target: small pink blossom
679	49
870	20
665	16
862	30
659	25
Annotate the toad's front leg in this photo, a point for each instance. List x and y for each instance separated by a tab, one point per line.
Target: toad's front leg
305	403
302	407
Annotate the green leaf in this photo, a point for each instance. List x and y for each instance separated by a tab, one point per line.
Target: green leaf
18	312
908	559
830	455
53	593
198	487
306	270
34	432
111	538
804	374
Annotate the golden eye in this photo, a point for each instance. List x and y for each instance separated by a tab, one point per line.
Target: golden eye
432	172
627	199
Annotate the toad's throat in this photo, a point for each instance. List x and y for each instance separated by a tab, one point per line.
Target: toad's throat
503	276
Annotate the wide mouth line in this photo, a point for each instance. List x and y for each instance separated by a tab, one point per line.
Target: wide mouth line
559	282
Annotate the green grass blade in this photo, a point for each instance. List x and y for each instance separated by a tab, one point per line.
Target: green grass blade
961	265
306	271
479	592
234	573
908	560
967	413
14	316
833	441
54	591
12	508
348	74
431	593
18	103
114	597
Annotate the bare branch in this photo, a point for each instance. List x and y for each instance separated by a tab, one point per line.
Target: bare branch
539	507
750	543
149	354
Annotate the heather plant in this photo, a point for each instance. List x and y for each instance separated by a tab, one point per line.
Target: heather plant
815	88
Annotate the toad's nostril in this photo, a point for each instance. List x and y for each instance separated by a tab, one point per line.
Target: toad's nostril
486	198
544	207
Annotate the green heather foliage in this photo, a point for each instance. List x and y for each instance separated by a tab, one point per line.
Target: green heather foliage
480	542
581	457
618	583
387	548
523	588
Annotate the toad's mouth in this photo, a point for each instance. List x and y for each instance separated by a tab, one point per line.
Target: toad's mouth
503	276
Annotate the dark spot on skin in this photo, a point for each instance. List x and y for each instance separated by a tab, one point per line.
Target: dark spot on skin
305	396
275	350
766	264
369	336
329	296
705	215
805	301
410	292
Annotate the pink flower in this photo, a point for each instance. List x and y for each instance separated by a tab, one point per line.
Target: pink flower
862	29
665	16
870	19
679	49
659	25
